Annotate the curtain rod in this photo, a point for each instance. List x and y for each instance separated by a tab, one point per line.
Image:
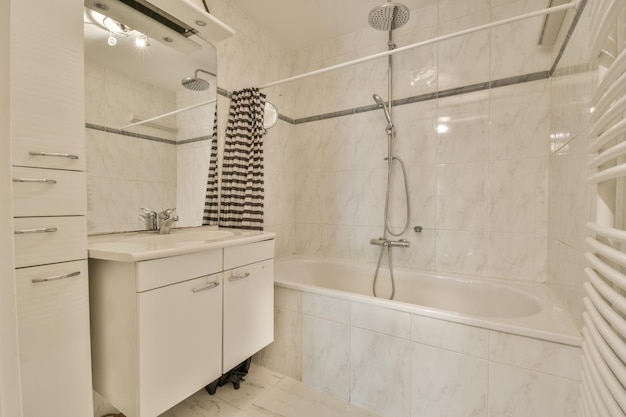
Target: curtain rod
204	103
536	13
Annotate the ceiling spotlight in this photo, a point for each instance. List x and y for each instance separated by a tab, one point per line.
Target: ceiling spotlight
200	23
112	40
142	41
116	27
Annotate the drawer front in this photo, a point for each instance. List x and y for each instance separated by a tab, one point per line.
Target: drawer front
64	240
53	328
248	254
48	192
166	271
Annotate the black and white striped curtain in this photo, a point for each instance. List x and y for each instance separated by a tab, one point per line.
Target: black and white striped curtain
211	202
241	199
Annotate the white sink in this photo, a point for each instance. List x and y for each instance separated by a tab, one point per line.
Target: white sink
134	247
179	236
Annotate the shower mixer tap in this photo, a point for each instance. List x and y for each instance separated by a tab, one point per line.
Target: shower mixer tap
402	243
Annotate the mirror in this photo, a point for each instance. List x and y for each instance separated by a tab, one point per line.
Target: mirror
270	117
156	165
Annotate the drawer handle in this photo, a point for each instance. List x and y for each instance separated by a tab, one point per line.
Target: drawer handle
42	230
239	276
208	287
35	180
61	155
55	278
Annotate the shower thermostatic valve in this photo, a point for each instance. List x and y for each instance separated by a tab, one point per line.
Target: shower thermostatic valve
402	243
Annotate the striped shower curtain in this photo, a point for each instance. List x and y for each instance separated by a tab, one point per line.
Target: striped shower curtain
211	202
241	198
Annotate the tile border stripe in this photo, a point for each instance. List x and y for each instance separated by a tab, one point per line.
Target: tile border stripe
144	137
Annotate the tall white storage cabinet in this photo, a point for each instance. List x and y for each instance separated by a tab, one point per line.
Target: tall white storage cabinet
49	203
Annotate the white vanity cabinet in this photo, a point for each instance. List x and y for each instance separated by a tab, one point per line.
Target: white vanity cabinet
164	328
156	329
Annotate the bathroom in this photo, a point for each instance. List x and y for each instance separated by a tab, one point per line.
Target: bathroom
496	176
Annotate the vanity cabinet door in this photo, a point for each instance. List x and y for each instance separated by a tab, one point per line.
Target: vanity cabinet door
179	342
47	72
248	311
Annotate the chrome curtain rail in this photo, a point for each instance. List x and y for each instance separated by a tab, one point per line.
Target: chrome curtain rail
541	12
204	103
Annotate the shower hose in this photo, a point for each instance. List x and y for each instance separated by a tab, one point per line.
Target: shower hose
388	230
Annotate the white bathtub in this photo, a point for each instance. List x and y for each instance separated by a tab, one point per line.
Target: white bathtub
525	309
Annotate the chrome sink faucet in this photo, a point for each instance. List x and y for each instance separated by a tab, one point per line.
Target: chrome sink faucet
165	220
149	217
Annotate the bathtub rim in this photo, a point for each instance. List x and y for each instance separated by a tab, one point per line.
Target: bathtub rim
538	326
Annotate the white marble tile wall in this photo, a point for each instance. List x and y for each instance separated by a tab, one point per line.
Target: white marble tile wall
402	365
569	198
477	172
477	163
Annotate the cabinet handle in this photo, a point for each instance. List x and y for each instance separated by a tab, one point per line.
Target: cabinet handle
61	155
208	287
55	278
42	230
35	180
239	276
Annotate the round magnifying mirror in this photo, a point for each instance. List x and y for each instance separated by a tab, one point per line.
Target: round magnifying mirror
271	115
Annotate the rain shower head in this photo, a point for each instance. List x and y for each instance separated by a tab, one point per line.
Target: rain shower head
381	104
197	84
389	16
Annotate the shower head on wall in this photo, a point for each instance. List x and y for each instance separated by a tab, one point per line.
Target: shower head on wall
381	104
389	16
196	84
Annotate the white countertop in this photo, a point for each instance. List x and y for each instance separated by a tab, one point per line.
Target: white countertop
142	246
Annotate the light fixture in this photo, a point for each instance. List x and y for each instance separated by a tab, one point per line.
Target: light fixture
116	27
142	41
132	18
112	40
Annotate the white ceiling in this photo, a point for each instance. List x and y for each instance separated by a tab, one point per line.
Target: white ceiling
302	23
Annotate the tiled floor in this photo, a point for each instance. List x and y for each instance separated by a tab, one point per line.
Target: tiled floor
265	393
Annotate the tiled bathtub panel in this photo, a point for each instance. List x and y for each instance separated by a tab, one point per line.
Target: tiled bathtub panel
328	308
326	356
284	355
288	299
436	368
380	373
381	320
456	337
537	355
447	384
517	392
